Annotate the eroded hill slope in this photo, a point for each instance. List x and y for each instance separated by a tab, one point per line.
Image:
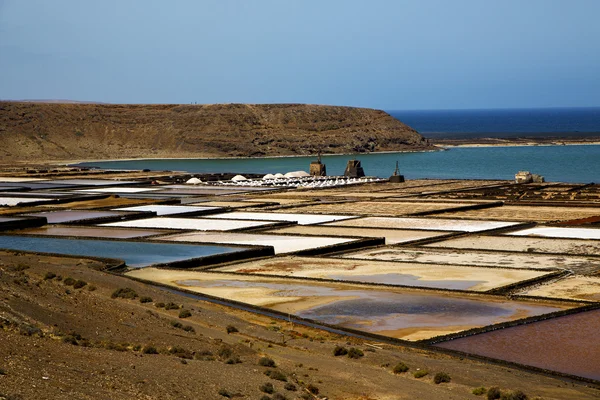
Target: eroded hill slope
52	132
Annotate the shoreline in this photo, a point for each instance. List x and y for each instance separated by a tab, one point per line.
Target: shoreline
440	147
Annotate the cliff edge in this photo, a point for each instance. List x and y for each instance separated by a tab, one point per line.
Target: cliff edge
54	132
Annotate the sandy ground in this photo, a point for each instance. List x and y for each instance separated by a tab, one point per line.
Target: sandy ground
392	236
473	257
523	244
440	276
572	287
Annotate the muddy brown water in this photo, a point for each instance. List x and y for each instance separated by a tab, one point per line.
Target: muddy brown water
568	344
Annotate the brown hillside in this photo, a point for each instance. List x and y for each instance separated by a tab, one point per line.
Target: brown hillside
52	132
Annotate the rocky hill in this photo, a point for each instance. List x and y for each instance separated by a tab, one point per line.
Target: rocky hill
54	132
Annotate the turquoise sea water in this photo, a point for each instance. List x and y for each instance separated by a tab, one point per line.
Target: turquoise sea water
577	163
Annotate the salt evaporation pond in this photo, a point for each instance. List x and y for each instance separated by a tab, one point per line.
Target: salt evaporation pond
135	254
91	231
163	209
424	223
392	236
280	243
566	344
473	257
66	216
395	312
301	219
523	244
386	272
552	232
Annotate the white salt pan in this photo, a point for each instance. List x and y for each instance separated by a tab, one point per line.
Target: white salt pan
301	219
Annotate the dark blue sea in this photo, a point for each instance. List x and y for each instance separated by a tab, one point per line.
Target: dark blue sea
503	123
570	163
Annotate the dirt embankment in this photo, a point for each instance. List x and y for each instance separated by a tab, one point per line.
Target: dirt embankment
53	132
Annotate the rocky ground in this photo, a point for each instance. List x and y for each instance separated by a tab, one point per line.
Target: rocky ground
65	336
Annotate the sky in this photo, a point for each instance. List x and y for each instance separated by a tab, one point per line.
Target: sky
386	54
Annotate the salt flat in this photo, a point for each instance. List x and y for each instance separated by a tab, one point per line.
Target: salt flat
392	236
281	243
436	224
576	287
301	219
200	224
523	244
474	257
554	232
161	209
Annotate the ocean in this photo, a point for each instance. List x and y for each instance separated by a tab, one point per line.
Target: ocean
503	123
571	163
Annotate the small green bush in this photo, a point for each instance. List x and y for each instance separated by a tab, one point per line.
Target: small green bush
2	371
79	284
185	314
290	386
340	351
421	373
189	328
400	368
69	281
91	288
49	275
149	349
224	393
266	362
277	375
493	393
355	353
124	293
233	360
145	299
516	395
267	388
171	306
181	352
479	391
231	329
159	305
176	324
225	352
441	377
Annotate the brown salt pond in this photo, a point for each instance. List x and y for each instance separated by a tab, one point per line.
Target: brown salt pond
527	213
386	272
566	344
396	312
382	208
572	287
523	244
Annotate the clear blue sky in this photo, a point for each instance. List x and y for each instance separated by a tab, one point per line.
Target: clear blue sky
388	54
